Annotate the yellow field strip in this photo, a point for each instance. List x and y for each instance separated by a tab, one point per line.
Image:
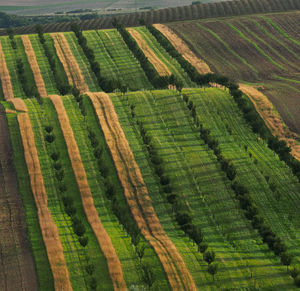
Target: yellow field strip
105	243
5	77
48	227
39	81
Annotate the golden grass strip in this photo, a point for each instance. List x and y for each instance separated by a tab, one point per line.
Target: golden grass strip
69	62
19	104
5	77
39	81
159	66
113	262
178	43
137	196
272	118
49	229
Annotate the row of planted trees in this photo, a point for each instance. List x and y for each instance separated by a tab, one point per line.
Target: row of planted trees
180	210
118	203
69	205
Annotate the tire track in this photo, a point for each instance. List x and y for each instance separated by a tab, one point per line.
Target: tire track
105	243
69	62
137	196
48	228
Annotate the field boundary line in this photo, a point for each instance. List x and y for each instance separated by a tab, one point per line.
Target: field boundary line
48	227
137	196
69	62
105	243
39	81
5	77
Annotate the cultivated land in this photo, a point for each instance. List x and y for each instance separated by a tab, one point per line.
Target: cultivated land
144	187
261	50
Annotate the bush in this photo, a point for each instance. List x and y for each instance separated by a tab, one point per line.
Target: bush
67	201
171	198
62	188
164	180
209	256
57	166
48	128
70	210
202	247
79	229
60	175
83	241
90	269
98	153
297	281
50	138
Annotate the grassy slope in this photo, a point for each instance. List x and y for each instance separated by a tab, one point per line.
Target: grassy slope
281	215
74	253
44	273
44	66
123	247
115	59
171	63
82	61
200	181
10	58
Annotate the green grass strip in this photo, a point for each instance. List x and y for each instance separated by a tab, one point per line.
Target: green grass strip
278	28
44	273
242	35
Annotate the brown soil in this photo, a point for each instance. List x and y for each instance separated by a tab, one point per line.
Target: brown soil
5	77
69	62
114	265
182	48
272	119
159	66
17	268
39	81
49	229
137	196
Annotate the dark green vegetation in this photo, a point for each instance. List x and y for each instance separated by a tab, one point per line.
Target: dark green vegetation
206	10
262	50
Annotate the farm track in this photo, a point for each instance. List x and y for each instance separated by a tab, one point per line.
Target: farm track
68	60
47	225
104	240
159	66
137	196
5	77
39	81
17	268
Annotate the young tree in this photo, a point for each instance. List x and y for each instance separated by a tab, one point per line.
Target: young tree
286	259
213	269
148	275
209	256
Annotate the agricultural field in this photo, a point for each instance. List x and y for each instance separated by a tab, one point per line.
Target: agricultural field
127	164
260	50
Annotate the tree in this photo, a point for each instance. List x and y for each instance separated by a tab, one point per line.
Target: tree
140	250
294	273
213	269
202	247
148	275
83	240
209	256
286	259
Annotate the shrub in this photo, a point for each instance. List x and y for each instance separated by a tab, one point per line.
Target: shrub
60	175
202	247
171	198
70	210
62	188
57	166
79	229
209	256
90	269
49	138
297	281
48	128
294	272
83	241
164	180
98	153
67	201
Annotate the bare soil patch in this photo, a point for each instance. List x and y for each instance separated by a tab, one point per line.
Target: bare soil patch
39	81
17	268
114	264
182	48
159	66
137	196
69	62
5	77
49	229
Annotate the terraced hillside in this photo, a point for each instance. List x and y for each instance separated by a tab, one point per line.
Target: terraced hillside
262	50
139	170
